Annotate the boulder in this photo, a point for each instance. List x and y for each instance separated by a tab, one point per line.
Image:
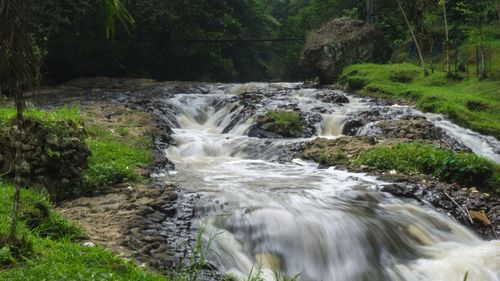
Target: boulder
278	124
332	97
343	42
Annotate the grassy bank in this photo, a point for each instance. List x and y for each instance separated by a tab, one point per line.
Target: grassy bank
470	103
52	251
466	169
118	154
51	248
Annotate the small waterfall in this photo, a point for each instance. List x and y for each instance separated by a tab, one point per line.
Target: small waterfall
324	224
332	125
486	146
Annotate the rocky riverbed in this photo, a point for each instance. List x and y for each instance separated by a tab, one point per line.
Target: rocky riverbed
152	222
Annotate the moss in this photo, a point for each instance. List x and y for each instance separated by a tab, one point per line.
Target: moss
472	103
285	123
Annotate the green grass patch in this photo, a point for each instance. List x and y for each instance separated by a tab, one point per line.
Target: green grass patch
285	123
464	168
49	118
472	103
115	158
338	158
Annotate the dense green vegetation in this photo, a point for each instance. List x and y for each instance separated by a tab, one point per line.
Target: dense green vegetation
193	40
49	246
48	118
219	40
469	102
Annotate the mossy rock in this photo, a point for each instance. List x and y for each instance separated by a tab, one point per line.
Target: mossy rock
54	154
278	124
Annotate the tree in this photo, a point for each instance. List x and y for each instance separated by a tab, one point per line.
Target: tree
476	12
497	7
447	42
19	71
422	62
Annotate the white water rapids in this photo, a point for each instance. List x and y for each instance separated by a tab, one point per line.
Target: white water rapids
323	224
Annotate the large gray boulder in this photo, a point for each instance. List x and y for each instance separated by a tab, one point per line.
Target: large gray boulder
343	42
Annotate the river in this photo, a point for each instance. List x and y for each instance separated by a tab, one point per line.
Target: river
288	217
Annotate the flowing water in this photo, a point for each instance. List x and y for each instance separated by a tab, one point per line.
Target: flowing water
293	218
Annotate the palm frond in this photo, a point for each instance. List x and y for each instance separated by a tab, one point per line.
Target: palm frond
116	10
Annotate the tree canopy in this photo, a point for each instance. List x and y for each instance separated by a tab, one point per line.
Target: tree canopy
215	40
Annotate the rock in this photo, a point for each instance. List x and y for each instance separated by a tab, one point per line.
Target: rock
332	97
89	244
343	42
356	120
51	158
156	217
351	127
413	128
51	139
279	124
480	216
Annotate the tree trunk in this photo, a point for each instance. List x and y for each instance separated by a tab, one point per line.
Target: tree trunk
447	43
422	62
498	9
17	162
19	99
482	53
15	209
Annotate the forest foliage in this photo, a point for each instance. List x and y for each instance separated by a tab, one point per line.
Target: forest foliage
209	40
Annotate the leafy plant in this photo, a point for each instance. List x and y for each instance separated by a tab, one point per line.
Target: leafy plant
6	257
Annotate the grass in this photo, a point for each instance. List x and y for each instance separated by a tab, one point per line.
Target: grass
55	253
411	158
472	103
285	123
49	118
116	157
